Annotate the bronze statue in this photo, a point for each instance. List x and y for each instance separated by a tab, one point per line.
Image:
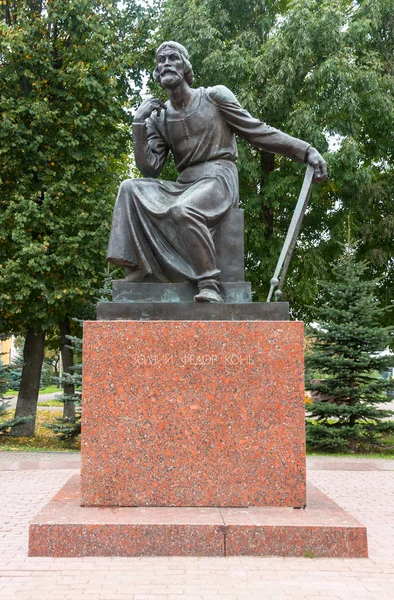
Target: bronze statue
164	230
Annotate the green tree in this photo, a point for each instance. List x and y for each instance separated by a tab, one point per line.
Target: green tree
321	70
65	100
347	350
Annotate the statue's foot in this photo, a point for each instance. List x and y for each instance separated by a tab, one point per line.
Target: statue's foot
135	276
208	295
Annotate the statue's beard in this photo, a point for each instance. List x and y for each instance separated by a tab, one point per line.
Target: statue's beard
170	79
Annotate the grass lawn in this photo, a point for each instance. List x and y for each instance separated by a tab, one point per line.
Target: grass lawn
387	453
44	440
50	403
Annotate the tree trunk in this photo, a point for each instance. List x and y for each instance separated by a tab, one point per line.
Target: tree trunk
68	363
56	371
26	406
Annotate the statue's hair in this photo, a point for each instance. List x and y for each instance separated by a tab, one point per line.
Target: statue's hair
188	69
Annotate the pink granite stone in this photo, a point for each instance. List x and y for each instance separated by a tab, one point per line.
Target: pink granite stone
321	530
187	413
64	528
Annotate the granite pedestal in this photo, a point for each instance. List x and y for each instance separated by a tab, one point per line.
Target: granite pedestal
193	413
193	443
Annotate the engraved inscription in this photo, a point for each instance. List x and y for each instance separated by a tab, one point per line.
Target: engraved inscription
195	360
152	359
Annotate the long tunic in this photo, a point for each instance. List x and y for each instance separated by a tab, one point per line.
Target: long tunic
166	228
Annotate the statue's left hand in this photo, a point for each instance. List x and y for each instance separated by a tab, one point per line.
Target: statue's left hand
315	159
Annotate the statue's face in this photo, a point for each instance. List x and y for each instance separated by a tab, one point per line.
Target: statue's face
169	64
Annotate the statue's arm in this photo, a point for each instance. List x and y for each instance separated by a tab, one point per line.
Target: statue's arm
150	147
261	135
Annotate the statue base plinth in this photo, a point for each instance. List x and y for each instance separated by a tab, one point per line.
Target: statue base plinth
126	291
323	529
192	311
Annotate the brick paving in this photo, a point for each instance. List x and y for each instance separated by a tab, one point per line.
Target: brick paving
363	487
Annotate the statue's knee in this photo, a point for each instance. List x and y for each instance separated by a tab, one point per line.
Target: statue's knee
127	191
179	213
127	186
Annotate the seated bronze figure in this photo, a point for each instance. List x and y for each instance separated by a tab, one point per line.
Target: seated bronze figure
164	230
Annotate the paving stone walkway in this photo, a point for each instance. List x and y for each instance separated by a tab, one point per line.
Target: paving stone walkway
363	487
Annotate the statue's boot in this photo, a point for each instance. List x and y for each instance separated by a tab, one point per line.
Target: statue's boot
209	290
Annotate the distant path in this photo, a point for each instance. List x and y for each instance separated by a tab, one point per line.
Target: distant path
41	398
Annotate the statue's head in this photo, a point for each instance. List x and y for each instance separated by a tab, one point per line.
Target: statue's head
181	50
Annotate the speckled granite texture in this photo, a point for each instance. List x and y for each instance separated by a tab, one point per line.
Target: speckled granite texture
323	529
187	413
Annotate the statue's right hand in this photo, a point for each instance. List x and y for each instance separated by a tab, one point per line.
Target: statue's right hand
148	106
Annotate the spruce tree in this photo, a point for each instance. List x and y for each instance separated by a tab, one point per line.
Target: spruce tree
67	428
347	351
6	421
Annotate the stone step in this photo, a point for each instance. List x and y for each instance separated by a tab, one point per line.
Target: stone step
65	529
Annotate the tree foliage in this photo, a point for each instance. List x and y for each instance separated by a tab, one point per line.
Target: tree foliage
348	351
322	71
65	67
65	100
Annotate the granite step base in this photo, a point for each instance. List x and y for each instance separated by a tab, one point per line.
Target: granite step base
65	529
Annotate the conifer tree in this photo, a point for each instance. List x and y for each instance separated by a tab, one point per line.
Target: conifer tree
347	349
6	422
66	428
